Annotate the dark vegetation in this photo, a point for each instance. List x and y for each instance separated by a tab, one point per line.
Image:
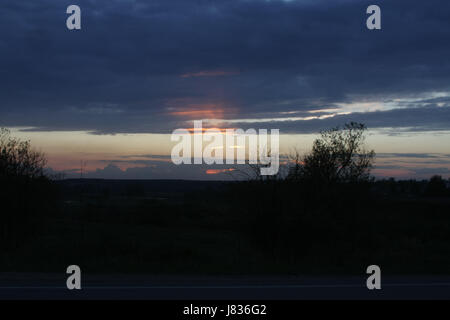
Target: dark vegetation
27	196
326	215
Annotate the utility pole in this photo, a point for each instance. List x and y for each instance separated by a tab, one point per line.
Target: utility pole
82	166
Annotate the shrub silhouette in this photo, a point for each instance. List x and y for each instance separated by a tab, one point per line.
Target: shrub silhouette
338	156
18	160
24	190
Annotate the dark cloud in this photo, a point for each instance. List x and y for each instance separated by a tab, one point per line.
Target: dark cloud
155	170
433	171
123	72
411	155
409	172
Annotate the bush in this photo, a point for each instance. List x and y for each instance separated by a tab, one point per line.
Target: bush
338	156
25	191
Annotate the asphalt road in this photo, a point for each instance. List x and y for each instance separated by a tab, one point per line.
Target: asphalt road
53	286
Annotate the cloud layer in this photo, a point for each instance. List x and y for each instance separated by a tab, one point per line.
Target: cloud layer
149	66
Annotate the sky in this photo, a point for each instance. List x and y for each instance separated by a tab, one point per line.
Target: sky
108	96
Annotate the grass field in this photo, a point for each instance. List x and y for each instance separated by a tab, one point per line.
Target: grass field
238	228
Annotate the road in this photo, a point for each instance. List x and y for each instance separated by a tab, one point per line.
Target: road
53	286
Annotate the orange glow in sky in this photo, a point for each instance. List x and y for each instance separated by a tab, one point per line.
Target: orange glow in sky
203	112
217	171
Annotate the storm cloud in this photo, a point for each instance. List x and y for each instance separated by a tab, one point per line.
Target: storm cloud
150	66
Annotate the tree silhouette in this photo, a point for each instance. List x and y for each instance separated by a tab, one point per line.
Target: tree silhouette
18	159
338	155
25	191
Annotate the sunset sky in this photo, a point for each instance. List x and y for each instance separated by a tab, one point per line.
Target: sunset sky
110	94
